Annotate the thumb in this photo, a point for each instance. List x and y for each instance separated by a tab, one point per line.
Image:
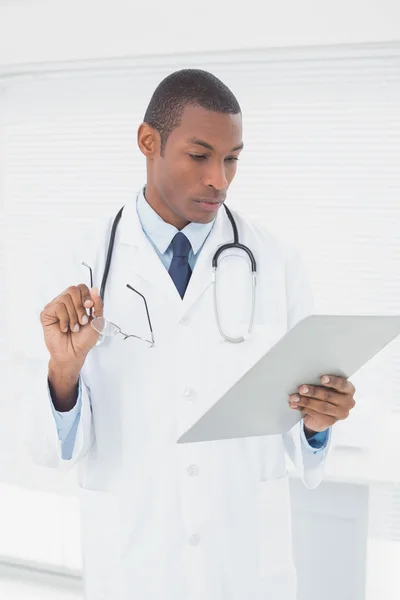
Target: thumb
97	302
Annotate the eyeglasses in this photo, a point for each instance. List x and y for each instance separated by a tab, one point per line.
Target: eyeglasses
108	329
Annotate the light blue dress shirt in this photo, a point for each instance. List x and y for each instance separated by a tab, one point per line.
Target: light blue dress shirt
160	235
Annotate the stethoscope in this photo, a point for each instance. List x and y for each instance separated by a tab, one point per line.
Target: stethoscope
232	245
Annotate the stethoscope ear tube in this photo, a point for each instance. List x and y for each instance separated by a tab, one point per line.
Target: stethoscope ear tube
235	245
109	253
216	309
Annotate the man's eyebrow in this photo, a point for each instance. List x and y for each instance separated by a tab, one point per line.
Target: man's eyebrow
239	147
198	142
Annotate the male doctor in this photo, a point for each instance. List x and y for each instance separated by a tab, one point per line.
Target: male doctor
162	520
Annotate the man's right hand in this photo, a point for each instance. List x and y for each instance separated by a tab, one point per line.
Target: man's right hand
68	334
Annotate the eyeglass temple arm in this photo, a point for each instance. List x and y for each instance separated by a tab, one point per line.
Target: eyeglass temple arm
147	309
91	281
91	273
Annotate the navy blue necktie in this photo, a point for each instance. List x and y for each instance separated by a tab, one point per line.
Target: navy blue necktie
180	270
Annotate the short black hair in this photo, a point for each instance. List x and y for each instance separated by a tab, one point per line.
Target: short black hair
187	86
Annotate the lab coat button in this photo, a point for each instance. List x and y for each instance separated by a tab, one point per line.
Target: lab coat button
193	470
194	540
189	393
185	320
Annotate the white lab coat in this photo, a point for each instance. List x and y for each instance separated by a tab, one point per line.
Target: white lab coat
161	520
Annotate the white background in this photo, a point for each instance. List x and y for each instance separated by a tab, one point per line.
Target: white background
340	207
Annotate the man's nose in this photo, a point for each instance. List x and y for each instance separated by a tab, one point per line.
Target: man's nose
216	177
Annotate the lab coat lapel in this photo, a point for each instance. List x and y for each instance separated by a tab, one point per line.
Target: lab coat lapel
202	275
143	259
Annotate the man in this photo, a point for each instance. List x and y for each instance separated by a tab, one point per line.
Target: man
160	519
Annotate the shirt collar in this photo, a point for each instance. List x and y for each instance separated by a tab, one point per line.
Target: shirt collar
162	233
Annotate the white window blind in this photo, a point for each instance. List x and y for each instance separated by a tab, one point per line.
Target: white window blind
320	168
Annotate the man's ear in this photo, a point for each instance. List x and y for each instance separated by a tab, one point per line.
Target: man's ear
148	139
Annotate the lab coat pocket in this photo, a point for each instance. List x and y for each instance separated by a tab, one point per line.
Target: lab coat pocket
275	545
101	545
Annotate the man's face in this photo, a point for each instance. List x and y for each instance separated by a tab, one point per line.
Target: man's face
199	161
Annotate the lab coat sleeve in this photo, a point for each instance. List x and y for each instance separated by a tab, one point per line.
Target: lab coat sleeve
45	437
48	274
308	461
67	423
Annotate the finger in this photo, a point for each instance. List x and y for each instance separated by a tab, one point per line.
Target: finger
60	310
85	295
97	302
312	405
321	393
75	293
61	313
341	384
73	324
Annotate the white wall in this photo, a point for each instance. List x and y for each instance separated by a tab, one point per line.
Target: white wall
56	30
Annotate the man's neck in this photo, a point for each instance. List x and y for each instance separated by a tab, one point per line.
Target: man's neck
153	198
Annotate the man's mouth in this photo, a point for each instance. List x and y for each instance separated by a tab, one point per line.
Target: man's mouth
208	204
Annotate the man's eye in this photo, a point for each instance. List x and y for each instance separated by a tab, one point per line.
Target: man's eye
230	159
198	156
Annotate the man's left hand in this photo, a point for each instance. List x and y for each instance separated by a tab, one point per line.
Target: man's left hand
323	405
